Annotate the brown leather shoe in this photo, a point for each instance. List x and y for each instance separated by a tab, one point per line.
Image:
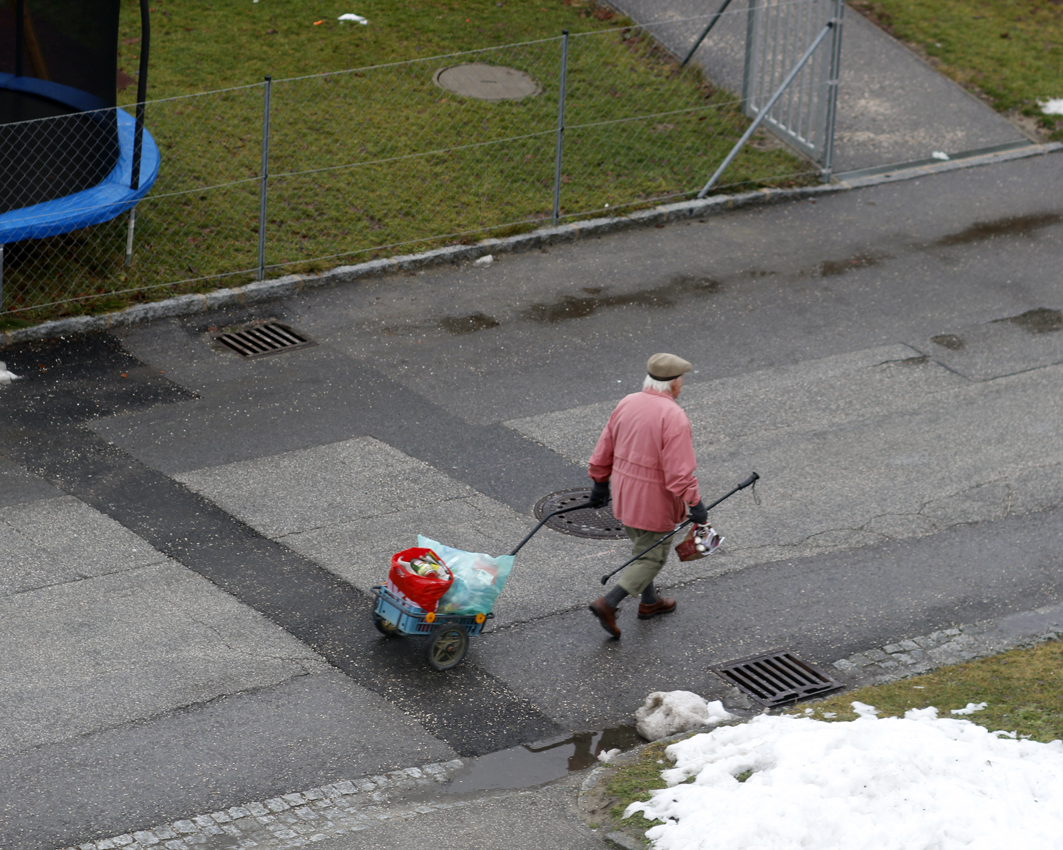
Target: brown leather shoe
606	616
661	606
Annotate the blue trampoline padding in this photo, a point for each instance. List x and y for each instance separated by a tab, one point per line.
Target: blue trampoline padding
67	95
106	200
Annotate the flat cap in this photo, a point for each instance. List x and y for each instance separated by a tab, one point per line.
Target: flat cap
667	367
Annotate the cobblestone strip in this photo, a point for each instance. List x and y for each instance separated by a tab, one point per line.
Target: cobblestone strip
294	820
922	654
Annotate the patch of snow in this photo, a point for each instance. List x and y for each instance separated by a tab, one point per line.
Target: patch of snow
1051	107
669	712
970	708
868	784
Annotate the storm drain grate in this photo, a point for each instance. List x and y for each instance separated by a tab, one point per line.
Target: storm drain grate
260	340
595	523
778	678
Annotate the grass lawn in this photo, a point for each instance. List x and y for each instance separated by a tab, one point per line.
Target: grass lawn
368	157
1009	52
1023	689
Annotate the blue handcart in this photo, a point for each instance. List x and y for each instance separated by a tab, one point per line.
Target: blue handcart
447	634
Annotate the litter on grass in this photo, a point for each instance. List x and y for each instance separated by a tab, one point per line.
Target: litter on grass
893	783
1052	107
358	19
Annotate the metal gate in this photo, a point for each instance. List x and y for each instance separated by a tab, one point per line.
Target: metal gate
779	33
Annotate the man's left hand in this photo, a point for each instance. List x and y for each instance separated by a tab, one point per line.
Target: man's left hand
699	514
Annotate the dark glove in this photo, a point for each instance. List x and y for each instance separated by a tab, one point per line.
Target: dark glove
699	514
599	494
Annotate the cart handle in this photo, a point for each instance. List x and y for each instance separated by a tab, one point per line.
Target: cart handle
543	521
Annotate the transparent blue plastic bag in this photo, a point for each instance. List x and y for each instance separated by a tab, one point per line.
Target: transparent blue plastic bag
478	578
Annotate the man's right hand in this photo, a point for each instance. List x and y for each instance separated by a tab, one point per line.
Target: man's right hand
599	494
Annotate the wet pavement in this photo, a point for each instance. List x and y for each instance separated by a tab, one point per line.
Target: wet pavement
189	540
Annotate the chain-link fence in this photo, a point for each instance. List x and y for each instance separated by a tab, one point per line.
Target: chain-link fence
309	173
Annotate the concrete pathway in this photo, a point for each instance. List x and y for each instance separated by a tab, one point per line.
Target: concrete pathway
892	106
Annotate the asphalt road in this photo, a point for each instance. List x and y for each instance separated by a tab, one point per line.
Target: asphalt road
192	537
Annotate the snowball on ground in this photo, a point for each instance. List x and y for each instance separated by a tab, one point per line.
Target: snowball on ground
670	712
970	708
868	784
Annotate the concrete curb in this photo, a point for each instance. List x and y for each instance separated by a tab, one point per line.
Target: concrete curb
252	293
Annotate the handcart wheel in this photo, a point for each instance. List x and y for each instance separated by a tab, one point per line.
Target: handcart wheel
383	626
447	645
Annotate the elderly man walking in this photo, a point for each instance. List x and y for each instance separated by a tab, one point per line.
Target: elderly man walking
646	454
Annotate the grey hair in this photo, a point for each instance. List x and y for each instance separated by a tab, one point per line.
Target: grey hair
651	383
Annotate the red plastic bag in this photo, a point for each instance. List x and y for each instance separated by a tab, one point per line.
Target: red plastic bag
424	591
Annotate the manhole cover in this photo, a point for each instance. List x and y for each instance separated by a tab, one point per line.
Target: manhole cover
263	339
596	523
486	82
778	678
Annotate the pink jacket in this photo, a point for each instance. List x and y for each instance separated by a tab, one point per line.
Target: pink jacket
646	452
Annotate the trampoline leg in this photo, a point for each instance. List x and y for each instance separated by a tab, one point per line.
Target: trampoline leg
129	236
1	277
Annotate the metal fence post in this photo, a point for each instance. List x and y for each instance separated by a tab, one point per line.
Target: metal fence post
560	124
832	92
138	131
262	183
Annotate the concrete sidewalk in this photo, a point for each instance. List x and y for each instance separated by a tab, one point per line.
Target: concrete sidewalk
162	670
893	108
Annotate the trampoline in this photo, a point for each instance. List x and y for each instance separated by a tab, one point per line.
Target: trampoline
69	158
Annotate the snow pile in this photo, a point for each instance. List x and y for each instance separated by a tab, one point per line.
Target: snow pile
671	712
869	784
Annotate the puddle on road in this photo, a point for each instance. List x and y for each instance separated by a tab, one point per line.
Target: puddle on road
566	307
830	268
1016	226
1039	321
536	764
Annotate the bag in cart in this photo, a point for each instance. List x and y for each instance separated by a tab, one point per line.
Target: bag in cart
478	578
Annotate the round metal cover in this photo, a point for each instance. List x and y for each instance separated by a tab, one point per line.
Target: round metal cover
486	82
596	523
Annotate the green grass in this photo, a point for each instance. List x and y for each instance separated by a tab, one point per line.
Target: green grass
1023	689
1008	51
378	160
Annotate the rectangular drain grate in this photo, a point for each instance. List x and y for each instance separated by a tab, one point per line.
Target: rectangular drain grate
777	678
260	340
